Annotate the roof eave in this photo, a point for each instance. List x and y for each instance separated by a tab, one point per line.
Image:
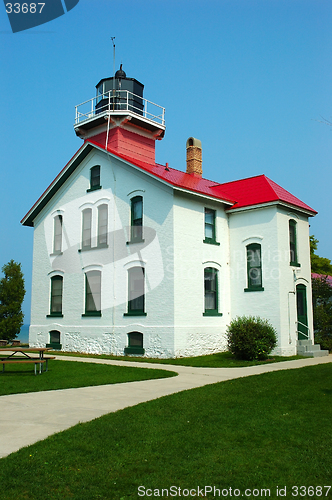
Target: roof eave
309	213
56	184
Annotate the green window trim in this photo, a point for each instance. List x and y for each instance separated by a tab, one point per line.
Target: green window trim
54	315
89	314
211	242
138	351
136	292
211	293
135	313
254	268
210	227
212	313
92	294
102	226
134	242
57	238
293	244
56	296
93	189
136	222
86	229
135	343
94	178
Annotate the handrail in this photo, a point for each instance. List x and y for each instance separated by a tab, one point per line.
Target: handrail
120	100
303	333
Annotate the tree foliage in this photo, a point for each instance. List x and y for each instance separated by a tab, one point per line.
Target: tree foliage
322	309
319	265
12	293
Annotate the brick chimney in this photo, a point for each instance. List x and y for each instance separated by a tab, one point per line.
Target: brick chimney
194	157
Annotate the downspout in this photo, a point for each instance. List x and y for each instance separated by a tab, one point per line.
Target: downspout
289	319
114	212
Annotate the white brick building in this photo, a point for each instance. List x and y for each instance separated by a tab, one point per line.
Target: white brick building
131	256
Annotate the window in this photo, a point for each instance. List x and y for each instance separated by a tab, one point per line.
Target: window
86	232
102	225
54	341
210	226
211	292
56	296
93	293
292	244
254	268
57	241
137	219
136	297
54	337
135	343
94	178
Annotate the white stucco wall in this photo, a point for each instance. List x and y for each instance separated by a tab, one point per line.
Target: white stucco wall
174	257
269	227
107	333
196	334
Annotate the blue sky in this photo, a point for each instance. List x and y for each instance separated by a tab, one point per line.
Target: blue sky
250	78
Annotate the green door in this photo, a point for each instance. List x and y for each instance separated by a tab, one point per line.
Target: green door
302	318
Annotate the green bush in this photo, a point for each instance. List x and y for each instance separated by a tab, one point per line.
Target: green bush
251	338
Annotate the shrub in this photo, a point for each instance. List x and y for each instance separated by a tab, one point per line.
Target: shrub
251	338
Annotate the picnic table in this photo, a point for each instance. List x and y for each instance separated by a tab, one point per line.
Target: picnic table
26	357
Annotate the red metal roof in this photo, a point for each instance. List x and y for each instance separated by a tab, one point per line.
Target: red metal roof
242	193
258	190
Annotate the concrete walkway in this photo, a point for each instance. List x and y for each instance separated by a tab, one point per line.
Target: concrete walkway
28	418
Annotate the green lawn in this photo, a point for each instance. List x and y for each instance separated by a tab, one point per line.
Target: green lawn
19	378
259	432
218	360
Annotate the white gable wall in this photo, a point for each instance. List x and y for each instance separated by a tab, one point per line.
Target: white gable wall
107	333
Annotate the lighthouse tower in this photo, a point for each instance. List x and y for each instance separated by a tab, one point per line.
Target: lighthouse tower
120	119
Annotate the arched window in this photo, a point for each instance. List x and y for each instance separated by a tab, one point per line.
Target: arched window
136	219
136	292
135	343
56	296
86	228
95	178
254	268
92	293
211	292
57	240
293	243
54	341
102	225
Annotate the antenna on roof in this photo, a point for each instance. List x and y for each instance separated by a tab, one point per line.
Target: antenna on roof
113	38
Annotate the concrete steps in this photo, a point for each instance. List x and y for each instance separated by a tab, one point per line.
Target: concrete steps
310	350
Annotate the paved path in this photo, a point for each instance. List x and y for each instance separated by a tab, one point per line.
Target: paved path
27	418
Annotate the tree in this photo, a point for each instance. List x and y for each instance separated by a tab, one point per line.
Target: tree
322	309
319	265
12	293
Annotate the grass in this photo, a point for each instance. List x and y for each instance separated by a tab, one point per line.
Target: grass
266	431
19	378
217	360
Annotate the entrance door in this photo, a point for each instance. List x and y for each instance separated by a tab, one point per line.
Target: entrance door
302	317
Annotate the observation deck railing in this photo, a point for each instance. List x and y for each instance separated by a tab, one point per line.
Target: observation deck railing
120	102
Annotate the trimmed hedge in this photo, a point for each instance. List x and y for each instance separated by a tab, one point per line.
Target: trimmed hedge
251	337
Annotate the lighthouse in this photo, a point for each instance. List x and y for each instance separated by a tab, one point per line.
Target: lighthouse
120	119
